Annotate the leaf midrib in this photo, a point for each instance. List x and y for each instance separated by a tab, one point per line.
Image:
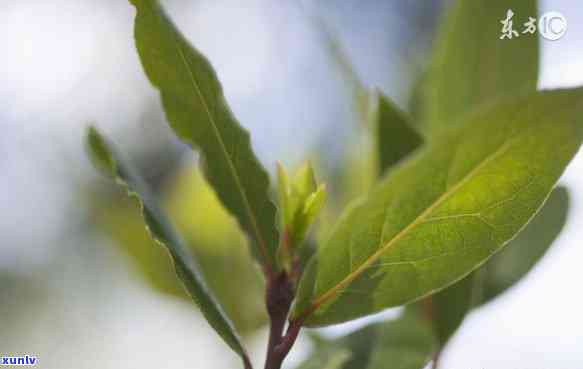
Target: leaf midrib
330	293
196	88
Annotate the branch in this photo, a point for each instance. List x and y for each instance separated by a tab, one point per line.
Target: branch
279	296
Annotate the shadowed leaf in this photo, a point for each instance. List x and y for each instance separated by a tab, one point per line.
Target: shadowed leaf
450	306
395	137
404	343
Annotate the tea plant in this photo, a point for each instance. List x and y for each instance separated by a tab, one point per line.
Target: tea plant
464	205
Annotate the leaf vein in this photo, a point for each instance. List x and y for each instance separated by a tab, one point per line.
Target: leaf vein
221	142
331	292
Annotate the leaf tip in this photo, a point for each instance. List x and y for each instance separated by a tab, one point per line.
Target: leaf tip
98	150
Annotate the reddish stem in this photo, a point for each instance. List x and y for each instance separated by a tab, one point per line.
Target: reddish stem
279	296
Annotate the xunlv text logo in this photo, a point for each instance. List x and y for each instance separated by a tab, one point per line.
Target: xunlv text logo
18	360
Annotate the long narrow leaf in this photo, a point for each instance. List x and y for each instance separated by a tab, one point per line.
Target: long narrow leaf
197	111
162	231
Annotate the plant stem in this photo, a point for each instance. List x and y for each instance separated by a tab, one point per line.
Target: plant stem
435	362
247	362
278	298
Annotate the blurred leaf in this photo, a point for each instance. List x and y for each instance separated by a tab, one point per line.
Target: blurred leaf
438	217
403	343
388	127
395	137
210	232
122	220
450	306
163	232
359	171
196	108
355	349
217	240
361	96
472	65
327	359
357	174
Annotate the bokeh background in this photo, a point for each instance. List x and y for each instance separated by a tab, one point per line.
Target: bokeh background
70	295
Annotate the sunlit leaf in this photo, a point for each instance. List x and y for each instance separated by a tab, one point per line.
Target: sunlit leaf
504	269
197	111
445	212
164	233
471	66
300	201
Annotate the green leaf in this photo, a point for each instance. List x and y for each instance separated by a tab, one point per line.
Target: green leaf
404	343
515	261
304	182
327	359
359	93
162	231
470	67
450	306
503	270
312	207
286	207
209	231
439	216
197	111
301	200
471	64
395	137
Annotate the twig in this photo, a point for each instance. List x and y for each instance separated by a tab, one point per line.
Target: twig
279	296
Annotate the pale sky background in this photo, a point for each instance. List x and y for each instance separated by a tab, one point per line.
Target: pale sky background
64	63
